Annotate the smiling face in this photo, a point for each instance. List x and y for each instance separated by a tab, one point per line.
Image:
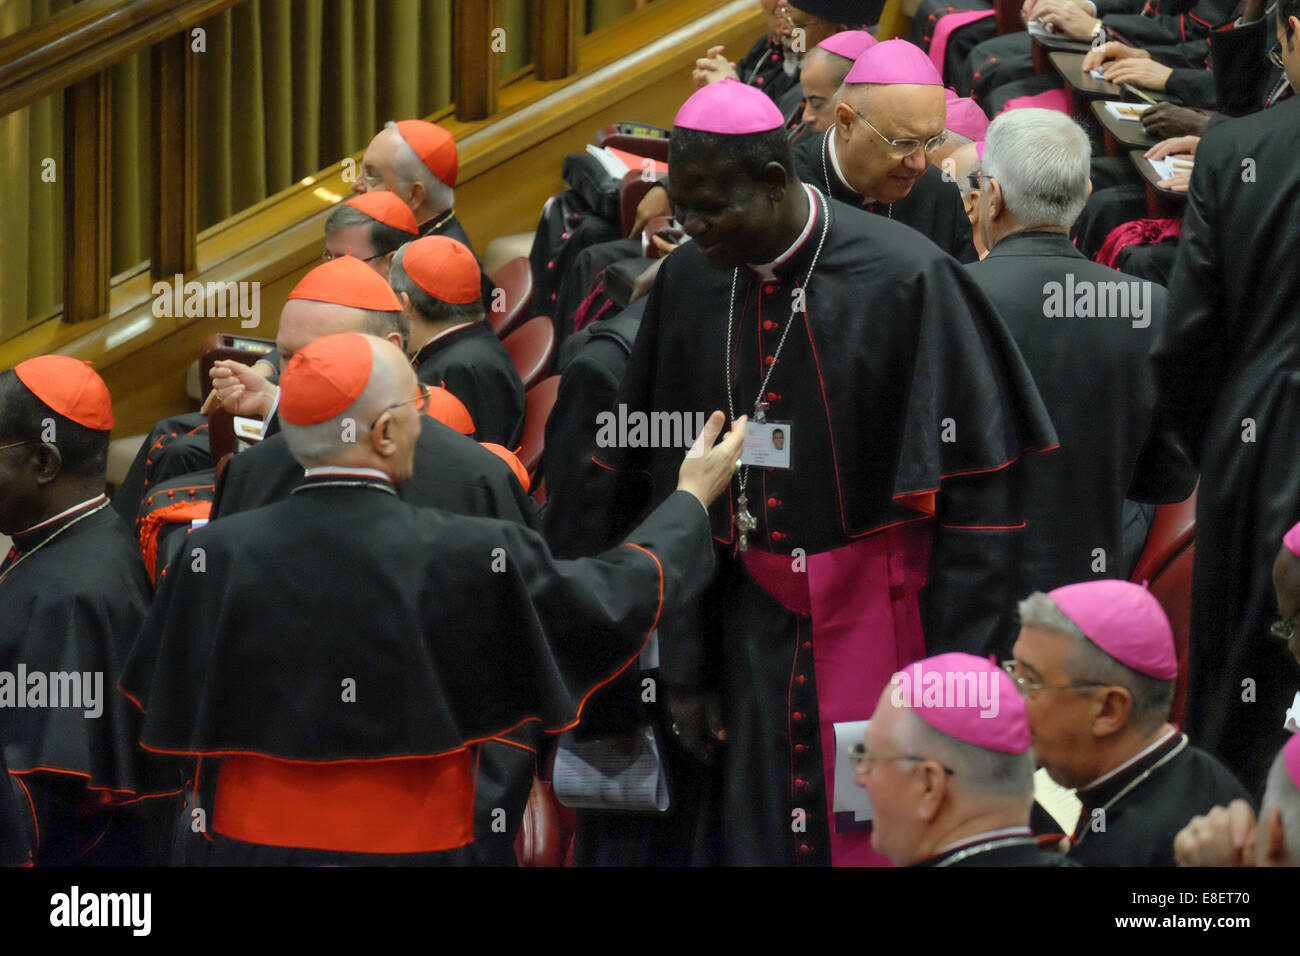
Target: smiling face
730	217
904	111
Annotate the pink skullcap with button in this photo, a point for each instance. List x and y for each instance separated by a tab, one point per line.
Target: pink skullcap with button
966	697
731	108
1126	621
895	62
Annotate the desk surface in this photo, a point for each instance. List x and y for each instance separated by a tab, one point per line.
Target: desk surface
1127	132
1150	177
1070	66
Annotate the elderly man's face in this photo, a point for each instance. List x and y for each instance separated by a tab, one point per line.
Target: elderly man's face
811	29
819	86
774	16
905	111
891	786
1060	719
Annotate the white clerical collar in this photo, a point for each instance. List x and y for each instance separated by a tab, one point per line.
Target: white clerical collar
985	837
767	270
347	470
1145	752
835	165
63	514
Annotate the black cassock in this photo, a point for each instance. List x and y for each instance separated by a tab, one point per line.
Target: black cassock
897	350
1228	375
1089	359
456	474
1132	818
763	67
71	601
472	364
449	225
16	832
933	207
451	631
452	472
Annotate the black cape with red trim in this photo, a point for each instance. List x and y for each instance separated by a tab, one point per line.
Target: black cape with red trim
72	602
450	630
15	843
901	384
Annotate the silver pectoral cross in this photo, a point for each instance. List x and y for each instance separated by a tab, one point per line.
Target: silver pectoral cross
745	522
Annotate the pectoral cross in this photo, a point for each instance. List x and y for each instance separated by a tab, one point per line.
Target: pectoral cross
745	522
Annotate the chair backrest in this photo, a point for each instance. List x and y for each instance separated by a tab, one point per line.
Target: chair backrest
531	348
652	147
538	403
224	345
1166	566
515	278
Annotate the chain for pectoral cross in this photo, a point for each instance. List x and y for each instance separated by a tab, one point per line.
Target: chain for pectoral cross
744	521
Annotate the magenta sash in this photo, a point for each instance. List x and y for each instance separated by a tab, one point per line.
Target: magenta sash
866	625
943	29
1058	100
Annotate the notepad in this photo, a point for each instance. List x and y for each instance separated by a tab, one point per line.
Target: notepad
1127	111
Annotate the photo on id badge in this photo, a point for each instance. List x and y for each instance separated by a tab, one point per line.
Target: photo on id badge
767	445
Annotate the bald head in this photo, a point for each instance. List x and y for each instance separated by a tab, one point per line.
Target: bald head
305	320
900	111
821	76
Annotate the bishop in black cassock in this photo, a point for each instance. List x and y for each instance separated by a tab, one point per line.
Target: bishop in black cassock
893	95
905	409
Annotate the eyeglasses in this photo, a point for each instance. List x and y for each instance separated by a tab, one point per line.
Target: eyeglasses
1284	630
1025	685
1275	55
903	148
421	402
974	180
329	256
863	759
15	444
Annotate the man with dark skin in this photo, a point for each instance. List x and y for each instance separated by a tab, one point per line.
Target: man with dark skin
73	592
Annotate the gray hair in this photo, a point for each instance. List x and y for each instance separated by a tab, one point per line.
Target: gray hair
1152	697
1281	792
979	770
324	442
1042	159
383	237
410	168
430	308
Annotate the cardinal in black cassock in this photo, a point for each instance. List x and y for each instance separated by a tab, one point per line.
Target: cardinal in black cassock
379	643
451	345
905	408
73	591
894	88
1227	372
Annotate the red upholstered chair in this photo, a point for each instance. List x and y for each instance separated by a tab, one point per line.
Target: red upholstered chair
631	190
1166	566
515	278
538	403
653	147
531	348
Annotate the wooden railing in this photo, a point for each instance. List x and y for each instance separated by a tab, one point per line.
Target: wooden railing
510	157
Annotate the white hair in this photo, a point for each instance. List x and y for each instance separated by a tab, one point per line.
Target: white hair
1042	159
1281	792
978	771
323	443
410	168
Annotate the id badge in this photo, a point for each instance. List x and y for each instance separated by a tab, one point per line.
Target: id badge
767	444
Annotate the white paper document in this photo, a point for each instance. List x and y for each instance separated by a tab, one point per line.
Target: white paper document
623	773
848	795
1126	111
1167	167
